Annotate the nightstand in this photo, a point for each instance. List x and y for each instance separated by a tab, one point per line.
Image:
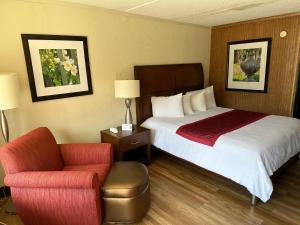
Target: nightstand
124	141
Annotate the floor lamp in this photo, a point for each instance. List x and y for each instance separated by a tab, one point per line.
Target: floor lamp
8	100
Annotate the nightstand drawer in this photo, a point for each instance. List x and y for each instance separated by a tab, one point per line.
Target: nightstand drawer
135	141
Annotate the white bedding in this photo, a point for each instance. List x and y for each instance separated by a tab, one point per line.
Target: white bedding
248	155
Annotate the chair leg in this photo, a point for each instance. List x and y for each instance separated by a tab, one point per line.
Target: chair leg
254	200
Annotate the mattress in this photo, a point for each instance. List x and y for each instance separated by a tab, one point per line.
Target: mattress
248	155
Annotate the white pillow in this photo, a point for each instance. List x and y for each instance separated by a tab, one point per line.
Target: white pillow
170	106
198	101
209	96
186	103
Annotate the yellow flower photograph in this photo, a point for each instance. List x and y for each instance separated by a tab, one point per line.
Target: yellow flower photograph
59	66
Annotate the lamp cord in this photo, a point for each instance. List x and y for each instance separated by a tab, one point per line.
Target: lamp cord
2	223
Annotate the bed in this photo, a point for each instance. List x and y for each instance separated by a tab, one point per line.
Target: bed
248	155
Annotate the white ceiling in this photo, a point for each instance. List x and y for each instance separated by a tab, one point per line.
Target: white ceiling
201	12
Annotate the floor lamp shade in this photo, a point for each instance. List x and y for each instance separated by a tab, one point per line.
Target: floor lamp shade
127	89
9	90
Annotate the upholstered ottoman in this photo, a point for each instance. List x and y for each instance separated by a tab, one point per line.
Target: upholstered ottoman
126	193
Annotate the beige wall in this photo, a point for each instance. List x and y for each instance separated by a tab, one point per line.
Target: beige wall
117	42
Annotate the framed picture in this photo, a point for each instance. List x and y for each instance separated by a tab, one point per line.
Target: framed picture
57	66
248	65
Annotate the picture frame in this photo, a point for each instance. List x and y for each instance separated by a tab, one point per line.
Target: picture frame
248	65
57	65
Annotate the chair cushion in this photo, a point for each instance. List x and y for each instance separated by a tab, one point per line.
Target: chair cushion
34	151
126	179
101	169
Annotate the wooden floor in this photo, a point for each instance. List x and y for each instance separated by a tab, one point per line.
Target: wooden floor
183	194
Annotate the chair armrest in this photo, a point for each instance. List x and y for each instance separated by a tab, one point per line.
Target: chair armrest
82	154
53	179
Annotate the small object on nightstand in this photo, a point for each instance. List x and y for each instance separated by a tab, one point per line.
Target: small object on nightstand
124	141
113	130
127	126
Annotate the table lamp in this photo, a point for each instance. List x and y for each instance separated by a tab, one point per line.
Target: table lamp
127	89
8	99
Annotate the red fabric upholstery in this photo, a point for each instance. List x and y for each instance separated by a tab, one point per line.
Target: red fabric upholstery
35	151
102	170
54	179
57	206
82	154
55	184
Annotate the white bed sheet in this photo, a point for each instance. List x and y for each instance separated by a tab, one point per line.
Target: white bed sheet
248	156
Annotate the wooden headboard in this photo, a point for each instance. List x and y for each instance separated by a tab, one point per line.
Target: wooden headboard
164	80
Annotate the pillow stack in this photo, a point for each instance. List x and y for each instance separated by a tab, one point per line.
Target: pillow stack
180	105
203	99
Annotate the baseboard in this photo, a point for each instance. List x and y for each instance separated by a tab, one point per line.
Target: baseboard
4	191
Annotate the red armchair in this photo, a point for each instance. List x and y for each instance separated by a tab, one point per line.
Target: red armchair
54	184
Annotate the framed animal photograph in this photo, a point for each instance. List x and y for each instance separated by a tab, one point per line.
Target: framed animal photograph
57	66
248	65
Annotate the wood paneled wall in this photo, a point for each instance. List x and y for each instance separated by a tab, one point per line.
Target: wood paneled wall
283	64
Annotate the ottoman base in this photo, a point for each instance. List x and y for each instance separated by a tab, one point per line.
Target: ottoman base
127	210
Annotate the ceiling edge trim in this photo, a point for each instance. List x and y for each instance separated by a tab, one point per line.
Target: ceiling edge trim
280	16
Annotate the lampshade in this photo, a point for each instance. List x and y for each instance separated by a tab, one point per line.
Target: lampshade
9	90
127	88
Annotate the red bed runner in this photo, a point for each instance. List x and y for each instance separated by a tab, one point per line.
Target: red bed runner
208	130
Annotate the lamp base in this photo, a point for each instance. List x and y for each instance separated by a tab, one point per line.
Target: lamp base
4	126
10	208
128	115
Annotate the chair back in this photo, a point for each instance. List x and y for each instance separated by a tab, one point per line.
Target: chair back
34	151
